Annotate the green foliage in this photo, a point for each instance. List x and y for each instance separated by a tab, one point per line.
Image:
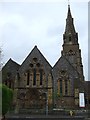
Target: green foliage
0	99
7	96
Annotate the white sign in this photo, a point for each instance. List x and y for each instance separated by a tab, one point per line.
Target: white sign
81	100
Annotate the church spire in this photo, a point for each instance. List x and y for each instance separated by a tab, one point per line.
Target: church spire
70	35
69	11
70	44
69	22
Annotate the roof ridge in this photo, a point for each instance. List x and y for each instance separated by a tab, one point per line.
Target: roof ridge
68	62
35	47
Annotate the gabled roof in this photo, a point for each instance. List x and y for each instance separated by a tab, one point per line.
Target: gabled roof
64	64
37	54
10	67
10	63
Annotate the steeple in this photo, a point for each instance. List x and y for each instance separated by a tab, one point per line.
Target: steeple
70	44
69	12
69	22
70	36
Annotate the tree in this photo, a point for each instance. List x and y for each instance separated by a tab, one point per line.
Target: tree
7	96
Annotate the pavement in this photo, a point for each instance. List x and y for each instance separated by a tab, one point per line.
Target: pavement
44	117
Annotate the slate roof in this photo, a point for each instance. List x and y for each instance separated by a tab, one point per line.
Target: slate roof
10	67
64	64
37	54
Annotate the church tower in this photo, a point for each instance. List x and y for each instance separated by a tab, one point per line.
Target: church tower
71	46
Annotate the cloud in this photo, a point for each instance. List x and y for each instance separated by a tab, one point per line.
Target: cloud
24	25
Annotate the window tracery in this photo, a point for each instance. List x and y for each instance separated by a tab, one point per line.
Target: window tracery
35	74
63	84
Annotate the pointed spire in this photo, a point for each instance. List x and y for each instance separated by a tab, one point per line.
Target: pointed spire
69	22
69	11
70	35
69	16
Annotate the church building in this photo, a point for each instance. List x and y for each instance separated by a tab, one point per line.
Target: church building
37	84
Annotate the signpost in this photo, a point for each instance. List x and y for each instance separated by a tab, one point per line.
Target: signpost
81	100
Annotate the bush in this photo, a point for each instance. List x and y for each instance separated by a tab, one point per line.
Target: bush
7	96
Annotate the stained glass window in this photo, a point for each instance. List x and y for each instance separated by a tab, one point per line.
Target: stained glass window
60	86
34	77
66	87
41	77
28	78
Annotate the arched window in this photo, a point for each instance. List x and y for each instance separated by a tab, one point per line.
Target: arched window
60	87
71	56
66	87
28	76
41	77
34	77
36	72
69	38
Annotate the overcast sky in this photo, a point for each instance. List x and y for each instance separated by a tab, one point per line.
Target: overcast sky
26	24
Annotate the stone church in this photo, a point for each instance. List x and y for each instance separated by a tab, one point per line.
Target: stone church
37	84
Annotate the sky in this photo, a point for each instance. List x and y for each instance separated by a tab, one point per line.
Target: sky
26	24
